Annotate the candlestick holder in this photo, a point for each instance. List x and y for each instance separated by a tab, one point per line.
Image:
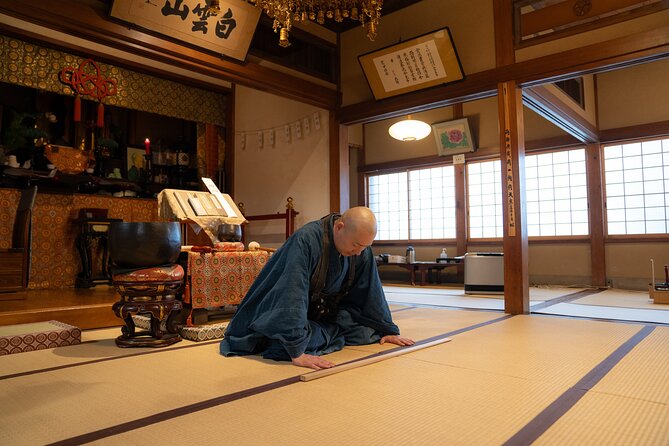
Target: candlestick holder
148	177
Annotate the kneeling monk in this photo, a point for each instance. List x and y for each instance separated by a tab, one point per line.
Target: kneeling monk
320	291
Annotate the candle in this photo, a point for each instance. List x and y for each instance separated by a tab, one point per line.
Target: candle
147	145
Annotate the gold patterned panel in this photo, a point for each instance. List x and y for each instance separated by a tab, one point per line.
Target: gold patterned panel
34	66
55	260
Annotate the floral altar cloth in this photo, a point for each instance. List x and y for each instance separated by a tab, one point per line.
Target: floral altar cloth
217	279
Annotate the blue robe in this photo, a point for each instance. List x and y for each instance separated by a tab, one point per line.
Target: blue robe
272	318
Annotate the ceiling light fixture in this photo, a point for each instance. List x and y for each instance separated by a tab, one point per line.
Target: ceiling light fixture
409	130
287	12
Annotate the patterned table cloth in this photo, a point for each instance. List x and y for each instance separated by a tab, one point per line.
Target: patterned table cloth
221	278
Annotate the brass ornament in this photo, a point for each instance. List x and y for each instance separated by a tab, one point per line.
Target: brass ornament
287	12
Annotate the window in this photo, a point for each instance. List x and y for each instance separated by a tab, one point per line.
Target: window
418	204
387	198
637	187
556	194
484	189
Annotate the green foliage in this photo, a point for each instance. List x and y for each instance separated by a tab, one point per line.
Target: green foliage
21	131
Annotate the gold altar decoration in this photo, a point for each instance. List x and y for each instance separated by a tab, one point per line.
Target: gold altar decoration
287	12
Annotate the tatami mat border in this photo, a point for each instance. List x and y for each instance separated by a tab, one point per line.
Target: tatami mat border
540	424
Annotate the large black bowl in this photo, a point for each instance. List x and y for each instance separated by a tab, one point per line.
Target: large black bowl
228	232
144	244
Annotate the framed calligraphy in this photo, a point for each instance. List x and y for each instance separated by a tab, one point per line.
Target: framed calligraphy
419	63
192	21
453	137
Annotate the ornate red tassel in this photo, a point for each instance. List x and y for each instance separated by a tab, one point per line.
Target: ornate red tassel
101	115
77	108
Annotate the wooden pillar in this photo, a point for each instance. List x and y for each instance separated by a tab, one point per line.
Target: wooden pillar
596	217
512	154
211	160
229	161
460	202
339	165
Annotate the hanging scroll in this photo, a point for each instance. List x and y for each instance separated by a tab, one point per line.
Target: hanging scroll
413	65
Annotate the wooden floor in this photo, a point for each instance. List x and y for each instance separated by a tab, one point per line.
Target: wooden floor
85	308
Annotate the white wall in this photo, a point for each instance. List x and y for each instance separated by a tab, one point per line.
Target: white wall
266	177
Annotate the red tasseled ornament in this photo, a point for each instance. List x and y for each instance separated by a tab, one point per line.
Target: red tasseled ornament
101	115
77	108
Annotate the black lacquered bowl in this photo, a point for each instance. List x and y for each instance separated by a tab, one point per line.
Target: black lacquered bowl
144	244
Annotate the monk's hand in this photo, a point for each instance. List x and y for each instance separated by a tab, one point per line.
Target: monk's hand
312	362
397	340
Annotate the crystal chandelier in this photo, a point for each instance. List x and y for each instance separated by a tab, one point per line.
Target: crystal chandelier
287	12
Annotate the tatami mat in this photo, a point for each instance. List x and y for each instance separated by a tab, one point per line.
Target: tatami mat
480	388
401	402
490	381
602	419
96	345
644	373
635	391
622	298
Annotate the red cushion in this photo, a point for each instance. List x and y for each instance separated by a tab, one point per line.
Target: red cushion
153	274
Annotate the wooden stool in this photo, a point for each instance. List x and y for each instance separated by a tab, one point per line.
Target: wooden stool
149	291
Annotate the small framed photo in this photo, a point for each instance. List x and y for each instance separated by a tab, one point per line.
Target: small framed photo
453	137
135	163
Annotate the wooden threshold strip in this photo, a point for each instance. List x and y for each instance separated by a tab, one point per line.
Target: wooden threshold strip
565	298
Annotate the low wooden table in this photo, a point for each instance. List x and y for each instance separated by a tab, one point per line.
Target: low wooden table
426	268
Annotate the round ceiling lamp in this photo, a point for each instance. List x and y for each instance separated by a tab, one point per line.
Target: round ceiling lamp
409	130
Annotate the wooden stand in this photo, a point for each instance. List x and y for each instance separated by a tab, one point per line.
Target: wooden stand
659	296
659	292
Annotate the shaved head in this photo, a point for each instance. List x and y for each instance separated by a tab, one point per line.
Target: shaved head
360	218
355	230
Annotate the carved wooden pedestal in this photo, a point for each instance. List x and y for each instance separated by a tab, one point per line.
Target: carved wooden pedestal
151	292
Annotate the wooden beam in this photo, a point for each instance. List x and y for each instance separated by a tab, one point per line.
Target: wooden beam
560	14
545	103
615	53
503	21
596	217
90	22
636	131
512	154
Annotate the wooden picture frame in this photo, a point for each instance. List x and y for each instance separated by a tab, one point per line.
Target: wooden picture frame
422	62
453	137
135	163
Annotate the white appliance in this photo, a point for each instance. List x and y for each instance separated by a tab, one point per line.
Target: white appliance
484	273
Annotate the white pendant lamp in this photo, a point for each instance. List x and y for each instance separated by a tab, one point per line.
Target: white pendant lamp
409	130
